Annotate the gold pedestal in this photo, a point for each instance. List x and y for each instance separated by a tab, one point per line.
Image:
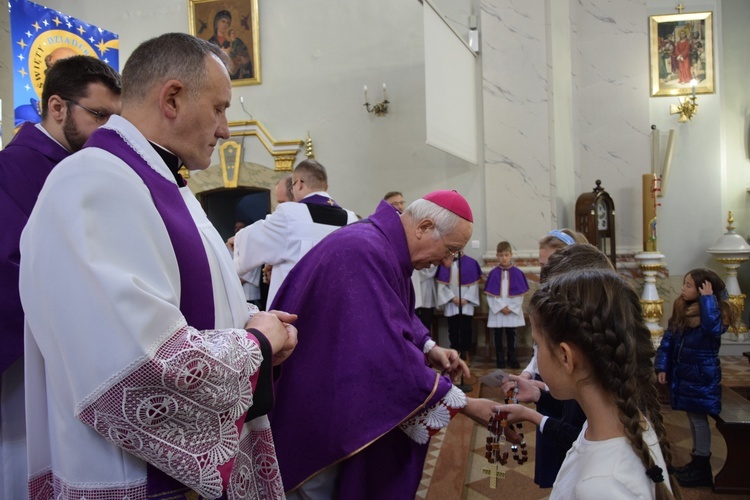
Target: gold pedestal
653	307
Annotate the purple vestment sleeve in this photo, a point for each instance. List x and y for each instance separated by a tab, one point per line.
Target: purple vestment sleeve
24	166
518	284
356	372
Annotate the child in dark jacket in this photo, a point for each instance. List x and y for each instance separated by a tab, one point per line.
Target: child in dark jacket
688	359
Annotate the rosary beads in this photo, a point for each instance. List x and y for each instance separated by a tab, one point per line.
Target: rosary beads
500	432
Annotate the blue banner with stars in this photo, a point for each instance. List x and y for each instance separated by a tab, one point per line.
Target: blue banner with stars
40	37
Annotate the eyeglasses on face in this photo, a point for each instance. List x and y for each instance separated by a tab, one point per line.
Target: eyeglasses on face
100	116
449	252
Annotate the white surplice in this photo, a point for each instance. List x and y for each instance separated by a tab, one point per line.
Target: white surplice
424	286
495	318
447	291
107	347
281	240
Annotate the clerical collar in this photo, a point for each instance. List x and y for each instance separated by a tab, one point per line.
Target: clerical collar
172	161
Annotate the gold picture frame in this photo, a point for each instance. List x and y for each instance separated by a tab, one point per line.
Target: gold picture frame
681	49
233	26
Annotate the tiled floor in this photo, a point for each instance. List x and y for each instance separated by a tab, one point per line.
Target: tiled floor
462	447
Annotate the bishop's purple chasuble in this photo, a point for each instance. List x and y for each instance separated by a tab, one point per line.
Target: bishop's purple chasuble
358	370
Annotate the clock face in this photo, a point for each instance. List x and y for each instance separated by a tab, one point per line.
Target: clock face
602	219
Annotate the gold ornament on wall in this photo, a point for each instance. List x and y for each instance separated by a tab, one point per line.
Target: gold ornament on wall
309	147
284	153
230	153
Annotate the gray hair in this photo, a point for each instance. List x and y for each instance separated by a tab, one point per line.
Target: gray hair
172	56
445	220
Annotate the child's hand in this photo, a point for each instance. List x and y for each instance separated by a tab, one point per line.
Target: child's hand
528	392
706	288
662	377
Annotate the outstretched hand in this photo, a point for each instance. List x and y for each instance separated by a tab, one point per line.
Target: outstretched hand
448	361
528	392
510	434
519	413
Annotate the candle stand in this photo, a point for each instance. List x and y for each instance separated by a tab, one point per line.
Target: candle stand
653	306
731	250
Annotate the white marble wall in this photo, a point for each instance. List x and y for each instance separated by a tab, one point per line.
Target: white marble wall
610	75
563	106
519	185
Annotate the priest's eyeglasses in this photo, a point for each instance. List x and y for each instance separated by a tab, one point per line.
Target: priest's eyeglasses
448	251
101	116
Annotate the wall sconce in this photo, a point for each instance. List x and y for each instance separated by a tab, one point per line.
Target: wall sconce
687	108
381	108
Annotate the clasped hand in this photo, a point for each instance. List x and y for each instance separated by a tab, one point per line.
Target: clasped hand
276	327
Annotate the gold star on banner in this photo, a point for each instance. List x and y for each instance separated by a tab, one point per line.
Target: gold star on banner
36	25
22	44
81	30
102	47
23	72
57	21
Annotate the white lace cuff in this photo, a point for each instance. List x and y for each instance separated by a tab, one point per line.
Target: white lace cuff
435	417
428	346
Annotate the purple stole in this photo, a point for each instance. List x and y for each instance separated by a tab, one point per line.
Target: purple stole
470	272
317	199
196	289
517	284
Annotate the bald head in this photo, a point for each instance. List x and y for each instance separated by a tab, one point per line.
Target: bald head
57	54
283	190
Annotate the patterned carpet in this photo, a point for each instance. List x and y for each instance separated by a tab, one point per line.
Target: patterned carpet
456	458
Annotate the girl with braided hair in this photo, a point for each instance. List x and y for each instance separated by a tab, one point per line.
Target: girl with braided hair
594	347
688	359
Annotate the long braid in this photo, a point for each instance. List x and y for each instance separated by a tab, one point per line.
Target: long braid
650	402
600	313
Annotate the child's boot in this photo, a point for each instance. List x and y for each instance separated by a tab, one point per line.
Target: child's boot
697	473
677	470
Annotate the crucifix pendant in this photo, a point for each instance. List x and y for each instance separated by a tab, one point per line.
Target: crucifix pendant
495	473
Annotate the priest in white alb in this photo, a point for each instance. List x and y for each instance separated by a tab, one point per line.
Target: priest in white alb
147	374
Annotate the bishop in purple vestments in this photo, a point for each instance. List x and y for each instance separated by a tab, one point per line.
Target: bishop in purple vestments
358	400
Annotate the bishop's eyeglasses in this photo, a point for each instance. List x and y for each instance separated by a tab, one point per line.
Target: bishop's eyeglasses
449	251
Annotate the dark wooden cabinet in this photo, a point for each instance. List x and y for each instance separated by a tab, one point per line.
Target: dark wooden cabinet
595	218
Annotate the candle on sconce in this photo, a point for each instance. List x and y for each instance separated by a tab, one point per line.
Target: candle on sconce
693	82
385	98
649	212
366	101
